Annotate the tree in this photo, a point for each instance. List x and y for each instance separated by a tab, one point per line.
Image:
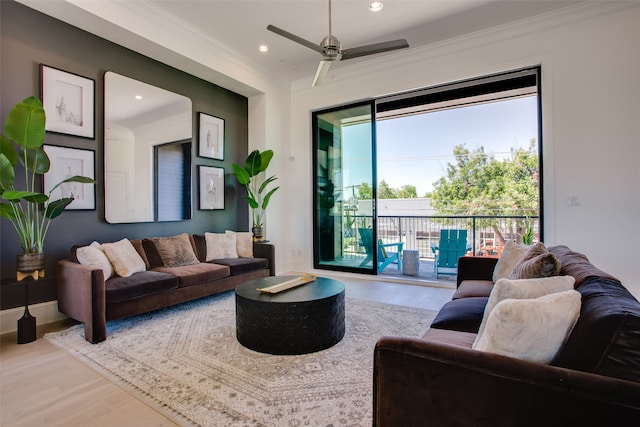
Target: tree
479	184
407	191
365	191
386	192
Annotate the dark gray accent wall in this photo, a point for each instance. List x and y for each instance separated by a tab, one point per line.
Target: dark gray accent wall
30	38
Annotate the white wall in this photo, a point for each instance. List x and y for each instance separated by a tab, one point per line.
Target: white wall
591	124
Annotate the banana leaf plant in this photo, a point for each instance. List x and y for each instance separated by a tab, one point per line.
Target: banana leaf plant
257	194
29	211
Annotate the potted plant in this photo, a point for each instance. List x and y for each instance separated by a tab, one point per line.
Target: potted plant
29	211
258	195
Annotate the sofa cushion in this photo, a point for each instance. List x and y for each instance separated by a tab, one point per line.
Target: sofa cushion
244	243
577	265
509	257
606	338
124	257
119	289
537	262
530	329
190	275
473	288
242	265
523	289
175	251
94	256
464	314
220	245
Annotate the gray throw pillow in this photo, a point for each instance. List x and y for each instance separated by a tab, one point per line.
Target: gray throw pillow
536	262
175	251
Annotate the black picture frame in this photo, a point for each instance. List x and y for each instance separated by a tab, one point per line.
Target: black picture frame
65	163
211	137
69	102
210	188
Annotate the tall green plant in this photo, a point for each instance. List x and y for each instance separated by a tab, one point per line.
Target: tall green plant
257	194
29	211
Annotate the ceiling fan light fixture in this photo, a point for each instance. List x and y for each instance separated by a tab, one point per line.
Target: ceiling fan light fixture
375	6
331	48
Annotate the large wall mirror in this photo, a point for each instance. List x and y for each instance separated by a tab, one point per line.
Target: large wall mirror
147	152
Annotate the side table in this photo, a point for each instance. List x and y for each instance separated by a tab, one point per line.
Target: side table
27	323
410	262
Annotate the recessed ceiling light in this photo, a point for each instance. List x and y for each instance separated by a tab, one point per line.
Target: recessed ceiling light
376	6
138	97
263	48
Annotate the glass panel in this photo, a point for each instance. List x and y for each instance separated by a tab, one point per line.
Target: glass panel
132	130
344	176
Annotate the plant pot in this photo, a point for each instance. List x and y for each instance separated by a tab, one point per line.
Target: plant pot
31	264
257	234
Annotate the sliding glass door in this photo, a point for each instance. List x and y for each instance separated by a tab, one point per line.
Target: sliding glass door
344	189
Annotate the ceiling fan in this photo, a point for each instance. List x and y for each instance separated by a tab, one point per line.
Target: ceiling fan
331	48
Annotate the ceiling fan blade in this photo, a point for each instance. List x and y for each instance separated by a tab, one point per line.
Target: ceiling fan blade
323	69
374	48
294	38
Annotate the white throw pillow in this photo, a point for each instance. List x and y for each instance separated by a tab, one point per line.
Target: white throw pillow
94	256
244	243
124	257
523	289
509	258
220	245
531	329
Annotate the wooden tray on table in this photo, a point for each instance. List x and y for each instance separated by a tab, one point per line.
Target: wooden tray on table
288	284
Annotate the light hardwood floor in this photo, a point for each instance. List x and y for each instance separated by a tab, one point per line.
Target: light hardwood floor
42	385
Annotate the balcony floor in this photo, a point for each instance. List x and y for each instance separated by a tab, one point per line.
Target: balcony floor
426	272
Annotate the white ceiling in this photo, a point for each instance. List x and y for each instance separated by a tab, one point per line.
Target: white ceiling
239	26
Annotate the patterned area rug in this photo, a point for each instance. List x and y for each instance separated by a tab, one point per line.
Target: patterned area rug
185	362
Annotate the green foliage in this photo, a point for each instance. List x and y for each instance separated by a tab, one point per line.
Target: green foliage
479	184
258	196
385	191
25	127
365	191
407	191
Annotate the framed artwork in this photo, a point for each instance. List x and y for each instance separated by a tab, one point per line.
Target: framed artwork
211	187
211	142
68	101
65	163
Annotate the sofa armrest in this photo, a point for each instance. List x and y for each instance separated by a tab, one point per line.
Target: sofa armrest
81	296
475	268
417	382
268	251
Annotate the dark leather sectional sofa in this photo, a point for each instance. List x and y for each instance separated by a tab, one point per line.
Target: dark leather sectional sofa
85	296
440	380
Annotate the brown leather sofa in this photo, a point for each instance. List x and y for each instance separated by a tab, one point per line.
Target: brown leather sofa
85	296
439	380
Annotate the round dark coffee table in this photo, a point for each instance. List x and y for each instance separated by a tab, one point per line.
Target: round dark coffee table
299	320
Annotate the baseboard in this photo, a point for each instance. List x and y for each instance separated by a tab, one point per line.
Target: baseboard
46	312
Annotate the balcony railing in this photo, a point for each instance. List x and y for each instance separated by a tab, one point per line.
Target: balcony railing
486	234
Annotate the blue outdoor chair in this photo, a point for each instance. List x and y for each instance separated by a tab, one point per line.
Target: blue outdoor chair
385	258
452	245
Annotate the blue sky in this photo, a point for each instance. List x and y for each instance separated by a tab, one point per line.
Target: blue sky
416	149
